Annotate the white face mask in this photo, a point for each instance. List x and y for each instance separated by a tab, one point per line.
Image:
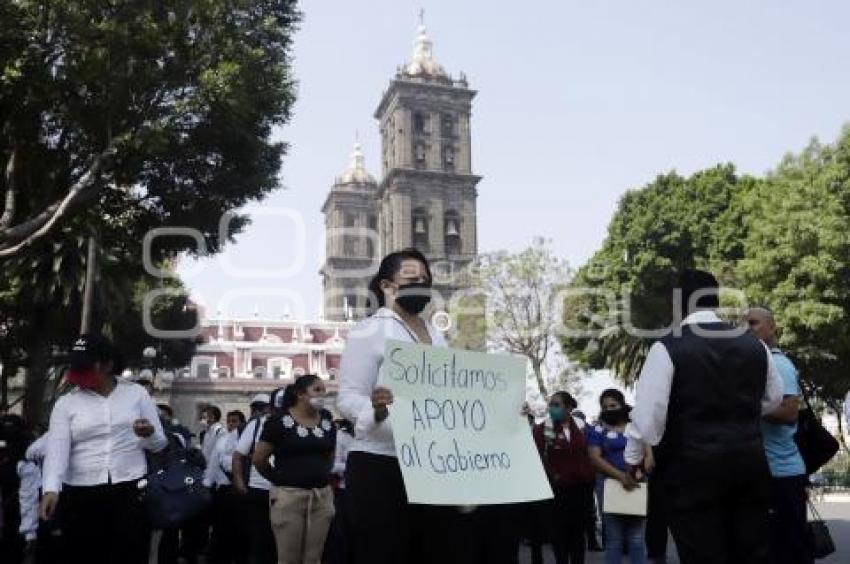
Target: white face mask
317	402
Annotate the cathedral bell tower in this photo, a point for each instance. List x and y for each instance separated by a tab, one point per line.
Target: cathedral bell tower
427	196
351	241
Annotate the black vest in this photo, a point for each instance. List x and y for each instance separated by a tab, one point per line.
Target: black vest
714	410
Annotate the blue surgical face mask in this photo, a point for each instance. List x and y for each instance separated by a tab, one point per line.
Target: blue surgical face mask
557	414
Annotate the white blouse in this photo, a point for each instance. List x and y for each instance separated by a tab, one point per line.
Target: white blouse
91	439
359	368
220	463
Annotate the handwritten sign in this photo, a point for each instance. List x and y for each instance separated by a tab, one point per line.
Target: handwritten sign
459	435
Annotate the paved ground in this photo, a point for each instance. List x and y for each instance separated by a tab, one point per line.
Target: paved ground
837	515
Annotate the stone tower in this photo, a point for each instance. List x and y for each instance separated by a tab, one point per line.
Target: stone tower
351	241
427	196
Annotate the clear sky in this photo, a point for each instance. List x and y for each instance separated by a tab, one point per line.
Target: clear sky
577	102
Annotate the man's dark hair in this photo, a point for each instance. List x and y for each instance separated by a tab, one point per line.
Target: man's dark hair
238	414
214	412
702	285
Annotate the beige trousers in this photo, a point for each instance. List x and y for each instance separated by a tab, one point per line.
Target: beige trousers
300	521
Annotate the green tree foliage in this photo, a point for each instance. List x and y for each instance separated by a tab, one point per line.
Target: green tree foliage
40	311
782	240
627	284
115	119
797	260
144	114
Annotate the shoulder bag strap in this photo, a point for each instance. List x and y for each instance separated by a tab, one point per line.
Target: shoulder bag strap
254	438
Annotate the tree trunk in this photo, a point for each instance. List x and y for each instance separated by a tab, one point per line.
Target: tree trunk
88	295
537	366
6	371
837	406
38	352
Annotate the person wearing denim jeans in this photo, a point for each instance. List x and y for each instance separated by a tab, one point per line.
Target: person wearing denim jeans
606	445
624	534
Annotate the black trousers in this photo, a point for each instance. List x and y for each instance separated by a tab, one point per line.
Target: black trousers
187	541
530	520
337	545
656	519
790	542
487	535
380	519
257	526
386	529
227	544
105	524
591	516
11	543
719	507
566	520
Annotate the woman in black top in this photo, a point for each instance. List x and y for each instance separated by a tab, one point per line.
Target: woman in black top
302	439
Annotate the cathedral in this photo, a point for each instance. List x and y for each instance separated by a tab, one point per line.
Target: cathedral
426	197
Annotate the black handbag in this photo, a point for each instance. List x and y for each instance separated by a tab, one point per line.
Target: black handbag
817	446
175	492
822	545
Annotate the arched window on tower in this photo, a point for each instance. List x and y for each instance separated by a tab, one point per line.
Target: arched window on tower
448	157
349	241
349	304
420	154
418	122
420	229
447	125
452	232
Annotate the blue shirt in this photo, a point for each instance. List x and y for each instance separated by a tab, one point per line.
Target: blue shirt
783	457
611	443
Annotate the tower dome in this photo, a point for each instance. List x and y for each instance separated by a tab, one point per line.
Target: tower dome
356	173
423	63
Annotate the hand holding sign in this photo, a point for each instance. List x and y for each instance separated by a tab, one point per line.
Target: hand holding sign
381	399
457	435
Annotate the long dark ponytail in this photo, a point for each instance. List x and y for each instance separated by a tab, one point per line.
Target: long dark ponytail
292	391
388	268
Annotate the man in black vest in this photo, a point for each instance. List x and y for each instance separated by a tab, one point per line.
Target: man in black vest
699	401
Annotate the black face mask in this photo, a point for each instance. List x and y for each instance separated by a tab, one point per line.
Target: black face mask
614	416
413	297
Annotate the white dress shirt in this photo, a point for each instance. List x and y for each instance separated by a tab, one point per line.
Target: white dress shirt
221	460
29	472
649	415
358	375
247	440
343	445
210	438
91	439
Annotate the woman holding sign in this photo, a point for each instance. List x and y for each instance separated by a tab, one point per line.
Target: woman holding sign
563	450
607	444
382	524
